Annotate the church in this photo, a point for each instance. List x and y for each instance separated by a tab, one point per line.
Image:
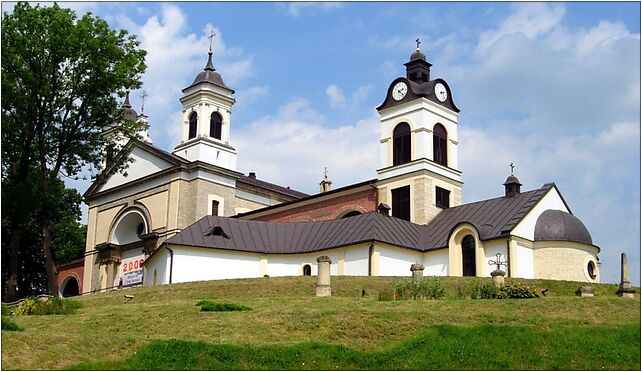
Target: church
189	215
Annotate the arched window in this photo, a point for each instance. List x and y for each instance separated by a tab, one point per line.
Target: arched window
192	125
468	256
440	144
216	123
307	270
401	144
590	267
351	214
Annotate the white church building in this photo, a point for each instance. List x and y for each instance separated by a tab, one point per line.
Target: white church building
189	215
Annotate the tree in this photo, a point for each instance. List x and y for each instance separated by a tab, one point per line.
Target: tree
61	76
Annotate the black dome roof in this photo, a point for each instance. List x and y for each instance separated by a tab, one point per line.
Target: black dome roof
209	74
417	55
512	179
558	225
128	112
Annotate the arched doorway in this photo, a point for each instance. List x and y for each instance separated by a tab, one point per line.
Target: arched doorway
468	256
307	270
70	287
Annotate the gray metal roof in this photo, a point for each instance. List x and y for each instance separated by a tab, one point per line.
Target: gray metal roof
559	225
273	187
492	218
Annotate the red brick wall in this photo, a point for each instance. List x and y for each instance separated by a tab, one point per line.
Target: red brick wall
76	269
362	201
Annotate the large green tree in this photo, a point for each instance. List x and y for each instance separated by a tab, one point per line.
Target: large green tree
61	79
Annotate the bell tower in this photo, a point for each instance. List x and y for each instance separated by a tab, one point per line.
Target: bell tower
207	111
418	174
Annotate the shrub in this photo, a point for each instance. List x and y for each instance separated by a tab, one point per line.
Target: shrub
385	296
208	305
431	288
54	305
518	291
489	291
9	325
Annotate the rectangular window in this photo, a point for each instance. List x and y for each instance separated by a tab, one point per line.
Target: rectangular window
214	208
442	197
401	203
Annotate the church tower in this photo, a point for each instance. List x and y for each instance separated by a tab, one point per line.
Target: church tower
207	109
418	174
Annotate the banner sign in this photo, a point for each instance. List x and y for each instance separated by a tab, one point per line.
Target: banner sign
132	271
132	277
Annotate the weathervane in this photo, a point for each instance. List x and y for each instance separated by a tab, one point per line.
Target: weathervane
512	168
418	42
211	37
142	97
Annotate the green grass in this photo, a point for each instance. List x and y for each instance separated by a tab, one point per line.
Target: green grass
9	325
286	318
441	347
209	305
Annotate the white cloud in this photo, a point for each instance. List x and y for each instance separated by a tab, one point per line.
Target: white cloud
292	147
335	96
362	93
249	95
295	9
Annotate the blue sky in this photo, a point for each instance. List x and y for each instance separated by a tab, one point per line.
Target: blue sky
552	87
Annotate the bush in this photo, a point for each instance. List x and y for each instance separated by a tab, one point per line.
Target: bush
431	288
54	305
9	325
489	291
208	305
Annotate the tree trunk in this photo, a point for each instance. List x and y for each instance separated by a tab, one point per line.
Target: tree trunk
50	265
14	248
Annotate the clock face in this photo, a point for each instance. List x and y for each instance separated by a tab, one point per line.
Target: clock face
440	92
399	91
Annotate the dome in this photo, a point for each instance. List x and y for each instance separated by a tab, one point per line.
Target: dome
209	74
417	55
558	225
128	112
512	179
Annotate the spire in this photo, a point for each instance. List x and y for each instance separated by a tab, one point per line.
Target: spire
512	184
418	68
209	65
126	104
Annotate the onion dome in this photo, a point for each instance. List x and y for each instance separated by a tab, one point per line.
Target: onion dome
209	74
559	225
128	112
417	55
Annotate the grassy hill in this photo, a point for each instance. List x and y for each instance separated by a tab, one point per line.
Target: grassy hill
289	328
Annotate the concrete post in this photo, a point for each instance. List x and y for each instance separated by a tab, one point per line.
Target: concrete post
498	277
625	289
323	277
417	270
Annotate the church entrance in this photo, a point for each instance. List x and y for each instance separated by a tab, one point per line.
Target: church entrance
307	270
468	256
70	287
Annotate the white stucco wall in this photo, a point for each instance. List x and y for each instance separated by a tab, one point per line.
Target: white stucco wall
356	260
194	264
526	227
144	164
491	248
292	265
436	263
396	261
160	264
523	262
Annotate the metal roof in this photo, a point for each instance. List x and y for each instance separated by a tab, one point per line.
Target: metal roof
272	187
559	225
493	218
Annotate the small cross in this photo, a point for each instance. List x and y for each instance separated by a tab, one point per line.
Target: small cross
325	172
142	97
498	262
418	42
512	168
211	37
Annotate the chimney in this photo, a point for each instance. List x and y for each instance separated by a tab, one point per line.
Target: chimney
384	209
252	175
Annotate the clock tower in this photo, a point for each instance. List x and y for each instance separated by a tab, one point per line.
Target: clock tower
418	174
207	110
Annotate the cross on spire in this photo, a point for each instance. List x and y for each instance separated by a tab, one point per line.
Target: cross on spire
211	37
142	97
418	42
325	172
512	168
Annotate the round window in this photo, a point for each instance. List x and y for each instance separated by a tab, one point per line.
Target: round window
590	267
140	229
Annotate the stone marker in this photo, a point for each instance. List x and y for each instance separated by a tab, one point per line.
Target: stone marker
625	290
417	271
323	276
498	277
585	292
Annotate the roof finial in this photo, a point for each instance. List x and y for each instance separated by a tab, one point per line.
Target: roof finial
325	172
418	42
512	168
142	98
126	104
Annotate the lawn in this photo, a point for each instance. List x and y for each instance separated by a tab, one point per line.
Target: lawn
288	328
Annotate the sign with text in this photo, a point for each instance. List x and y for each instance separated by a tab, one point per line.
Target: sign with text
132	270
132	277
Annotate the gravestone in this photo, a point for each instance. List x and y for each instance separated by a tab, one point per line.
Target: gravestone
323	276
625	289
417	271
585	291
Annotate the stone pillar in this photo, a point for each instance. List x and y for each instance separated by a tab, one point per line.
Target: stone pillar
417	271
323	276
498	277
625	289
